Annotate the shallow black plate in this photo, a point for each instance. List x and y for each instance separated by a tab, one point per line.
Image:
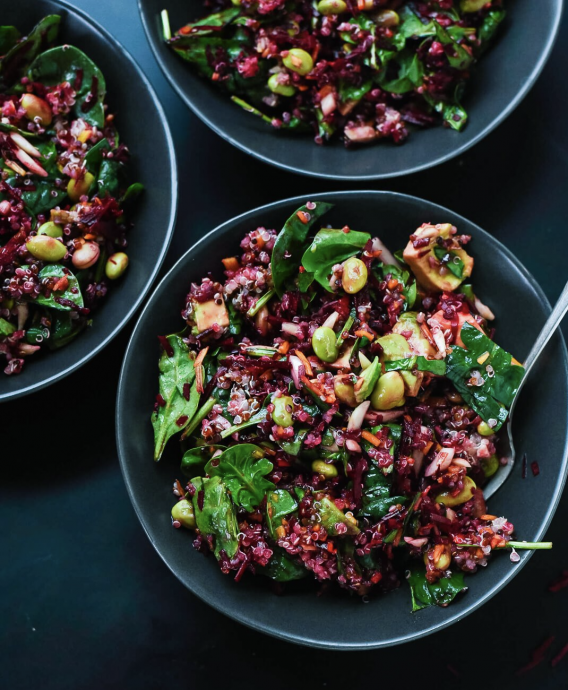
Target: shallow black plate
501	80
144	128
340	621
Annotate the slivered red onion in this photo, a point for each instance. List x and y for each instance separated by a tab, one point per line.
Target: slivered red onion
386	256
416	542
353	446
294	329
442	461
295	364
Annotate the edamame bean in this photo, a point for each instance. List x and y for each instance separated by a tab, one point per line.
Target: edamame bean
283	408
472	5
324	343
331	7
299	61
51	229
354	276
322	467
490	465
277	86
386	18
464	495
37	110
344	390
46	248
483	429
78	188
388	392
116	265
183	512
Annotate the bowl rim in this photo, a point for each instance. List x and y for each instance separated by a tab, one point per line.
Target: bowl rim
495	122
273	630
109	38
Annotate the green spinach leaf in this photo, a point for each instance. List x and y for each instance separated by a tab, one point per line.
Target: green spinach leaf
218	516
499	376
440	593
176	375
282	567
67	63
243	469
6	328
71	293
9	36
289	245
279	504
194	459
14	64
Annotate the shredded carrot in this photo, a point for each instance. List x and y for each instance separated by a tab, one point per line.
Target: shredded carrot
427	447
215	76
231	263
302	357
284	347
488	517
304	217
180	489
197	365
267	375
427	333
280	532
89	236
397	539
368	436
361	333
392	284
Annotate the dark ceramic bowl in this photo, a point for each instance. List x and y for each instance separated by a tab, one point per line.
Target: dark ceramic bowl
339	621
143	126
501	80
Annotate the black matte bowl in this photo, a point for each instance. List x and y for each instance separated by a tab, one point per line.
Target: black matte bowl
339	621
501	80
144	128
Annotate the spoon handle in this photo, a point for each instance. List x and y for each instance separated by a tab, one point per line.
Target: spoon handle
560	308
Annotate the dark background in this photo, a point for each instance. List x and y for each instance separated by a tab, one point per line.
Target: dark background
85	602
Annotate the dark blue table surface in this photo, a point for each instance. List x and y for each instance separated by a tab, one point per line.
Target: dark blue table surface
85	602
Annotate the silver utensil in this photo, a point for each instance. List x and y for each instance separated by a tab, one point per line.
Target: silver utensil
507	448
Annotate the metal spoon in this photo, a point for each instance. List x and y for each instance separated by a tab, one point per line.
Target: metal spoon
506	441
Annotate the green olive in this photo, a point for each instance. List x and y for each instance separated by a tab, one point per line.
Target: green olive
354	276
331	7
483	429
324	343
386	18
490	465
116	265
276	86
464	495
51	229
322	467
472	5
183	512
388	392
78	188
344	390
299	61
46	248
283	408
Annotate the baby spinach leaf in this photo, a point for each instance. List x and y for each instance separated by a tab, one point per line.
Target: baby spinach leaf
94	156
451	261
176	373
258	417
71	293
9	36
377	500
460	59
14	64
435	366
293	447
279	504
290	242
194	459
243	469
411	26
489	26
330	247
63	330
410	74
67	63
218	516
212	23
282	567
501	381
440	593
